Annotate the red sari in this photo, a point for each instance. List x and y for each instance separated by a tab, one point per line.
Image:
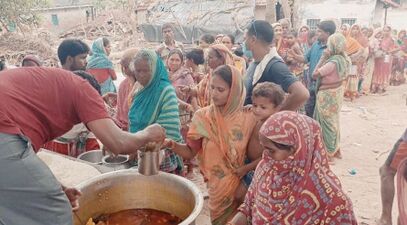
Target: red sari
300	189
383	65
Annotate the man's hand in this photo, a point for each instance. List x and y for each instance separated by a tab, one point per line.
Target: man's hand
155	133
73	195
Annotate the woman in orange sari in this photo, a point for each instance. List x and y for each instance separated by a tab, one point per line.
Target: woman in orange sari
240	63
354	51
219	134
218	55
356	33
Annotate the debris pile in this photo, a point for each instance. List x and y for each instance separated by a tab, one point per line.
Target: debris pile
14	47
95	29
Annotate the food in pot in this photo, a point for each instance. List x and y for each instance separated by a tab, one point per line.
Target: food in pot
136	217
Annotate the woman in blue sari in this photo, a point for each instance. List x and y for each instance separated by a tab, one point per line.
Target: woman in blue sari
100	66
155	102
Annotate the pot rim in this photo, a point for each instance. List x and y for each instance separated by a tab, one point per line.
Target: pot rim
125	160
195	190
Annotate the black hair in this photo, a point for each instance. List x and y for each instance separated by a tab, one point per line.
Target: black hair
327	26
196	55
209	39
92	81
231	37
239	51
311	34
282	146
273	92
106	41
2	64
293	32
178	52
71	47
225	73
262	30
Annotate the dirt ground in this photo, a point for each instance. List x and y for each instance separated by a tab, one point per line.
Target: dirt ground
370	126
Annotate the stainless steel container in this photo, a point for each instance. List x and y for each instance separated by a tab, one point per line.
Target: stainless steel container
148	162
94	156
118	162
126	189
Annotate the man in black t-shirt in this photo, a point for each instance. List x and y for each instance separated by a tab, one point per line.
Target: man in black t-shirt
268	66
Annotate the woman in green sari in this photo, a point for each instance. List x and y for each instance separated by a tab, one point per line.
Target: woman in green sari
155	102
330	78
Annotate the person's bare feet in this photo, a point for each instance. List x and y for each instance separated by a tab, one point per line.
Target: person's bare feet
383	221
331	160
338	154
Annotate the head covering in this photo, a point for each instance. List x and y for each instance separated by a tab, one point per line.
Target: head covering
359	37
352	46
274	25
32	58
213	126
224	52
285	21
203	91
387	43
143	110
337	47
303	37
347	29
300	189
400	41
99	59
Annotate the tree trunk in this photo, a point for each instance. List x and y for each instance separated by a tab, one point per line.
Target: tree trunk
271	11
286	9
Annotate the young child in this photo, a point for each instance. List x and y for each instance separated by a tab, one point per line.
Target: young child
267	98
294	49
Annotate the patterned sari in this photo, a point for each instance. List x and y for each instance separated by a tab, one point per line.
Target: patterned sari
183	77
383	65
352	47
329	101
300	189
224	135
157	103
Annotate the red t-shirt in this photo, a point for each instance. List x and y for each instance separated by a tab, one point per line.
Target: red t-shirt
44	103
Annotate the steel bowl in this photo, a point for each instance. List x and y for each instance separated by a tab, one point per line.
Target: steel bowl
118	162
94	156
127	189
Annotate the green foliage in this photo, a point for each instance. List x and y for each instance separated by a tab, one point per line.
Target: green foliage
20	12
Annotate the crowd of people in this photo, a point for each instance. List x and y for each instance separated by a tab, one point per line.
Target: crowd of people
260	119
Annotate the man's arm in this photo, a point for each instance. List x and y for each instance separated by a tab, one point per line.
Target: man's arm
298	93
297	97
121	142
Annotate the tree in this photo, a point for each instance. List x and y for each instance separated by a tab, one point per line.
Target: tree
15	13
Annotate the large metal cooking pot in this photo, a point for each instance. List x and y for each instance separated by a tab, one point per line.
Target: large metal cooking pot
127	189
